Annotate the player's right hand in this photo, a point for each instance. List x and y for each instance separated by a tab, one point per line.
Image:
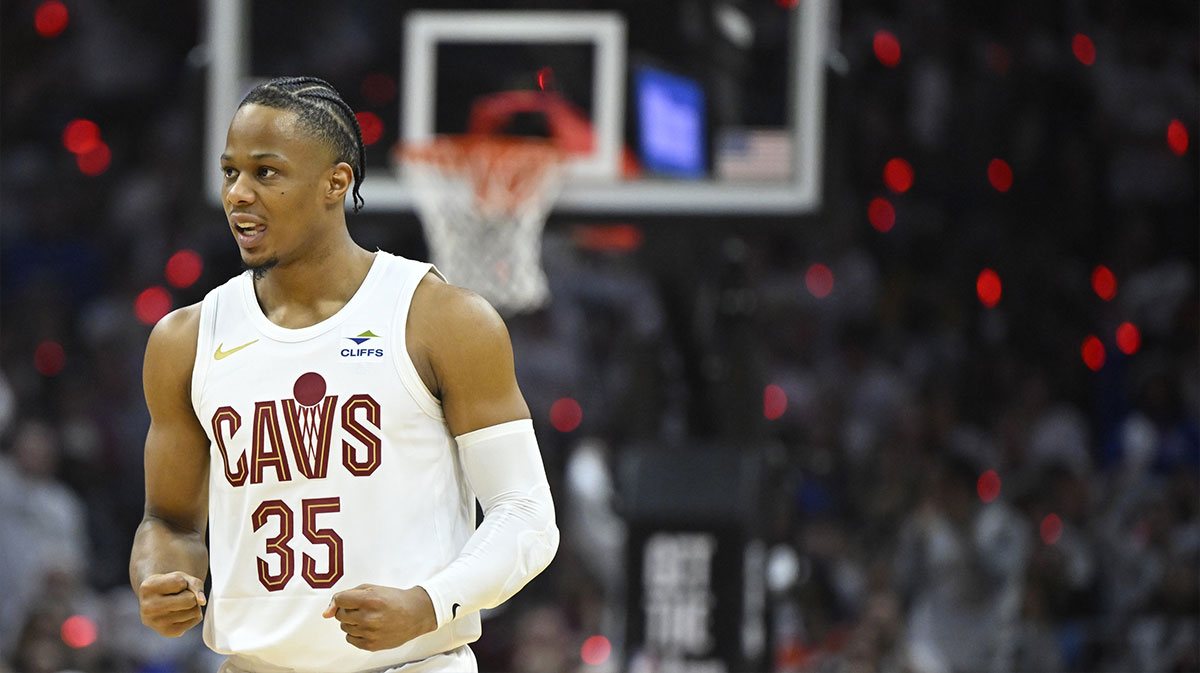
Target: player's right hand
170	603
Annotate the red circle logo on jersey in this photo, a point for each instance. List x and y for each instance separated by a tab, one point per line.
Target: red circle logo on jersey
309	389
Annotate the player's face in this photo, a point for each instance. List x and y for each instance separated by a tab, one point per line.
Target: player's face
275	183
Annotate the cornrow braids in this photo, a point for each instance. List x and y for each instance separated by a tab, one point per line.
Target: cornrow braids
322	111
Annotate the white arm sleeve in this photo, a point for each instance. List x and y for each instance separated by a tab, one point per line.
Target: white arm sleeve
518	536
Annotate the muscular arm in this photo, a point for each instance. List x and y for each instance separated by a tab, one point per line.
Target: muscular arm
169	560
462	351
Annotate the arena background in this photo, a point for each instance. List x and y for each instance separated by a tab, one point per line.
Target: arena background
943	418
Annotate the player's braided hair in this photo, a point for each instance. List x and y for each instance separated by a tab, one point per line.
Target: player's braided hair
322	111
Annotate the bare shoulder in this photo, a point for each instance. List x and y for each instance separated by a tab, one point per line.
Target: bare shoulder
449	314
178	332
465	345
171	351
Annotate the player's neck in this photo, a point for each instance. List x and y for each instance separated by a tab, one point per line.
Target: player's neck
306	291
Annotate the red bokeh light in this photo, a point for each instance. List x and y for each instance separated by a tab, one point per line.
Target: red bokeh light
774	402
372	127
378	89
988	287
78	631
81	135
1083	49
1000	175
152	304
1093	353
1177	137
1129	338
819	280
898	175
787	4
608	237
887	48
566	415
184	268
49	358
1051	528
595	650
545	78
51	19
94	161
988	486
881	214
1104	283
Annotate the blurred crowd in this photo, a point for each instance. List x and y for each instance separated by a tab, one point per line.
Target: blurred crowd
951	487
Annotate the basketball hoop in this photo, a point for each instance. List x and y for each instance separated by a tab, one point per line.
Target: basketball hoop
483	201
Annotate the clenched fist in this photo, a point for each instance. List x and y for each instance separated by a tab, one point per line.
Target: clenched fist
380	618
170	603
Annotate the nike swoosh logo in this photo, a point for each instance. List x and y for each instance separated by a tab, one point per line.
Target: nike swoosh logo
454	611
221	355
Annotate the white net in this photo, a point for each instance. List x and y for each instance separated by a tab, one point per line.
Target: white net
483	201
310	429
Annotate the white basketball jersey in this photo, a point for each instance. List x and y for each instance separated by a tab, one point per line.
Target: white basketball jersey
330	466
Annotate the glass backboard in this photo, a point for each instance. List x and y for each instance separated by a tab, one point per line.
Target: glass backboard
703	106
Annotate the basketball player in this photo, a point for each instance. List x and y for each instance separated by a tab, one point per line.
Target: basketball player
331	415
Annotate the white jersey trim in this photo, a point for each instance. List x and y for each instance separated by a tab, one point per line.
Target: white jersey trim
204	344
405	368
264	325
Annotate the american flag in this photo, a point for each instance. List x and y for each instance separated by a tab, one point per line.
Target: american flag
753	154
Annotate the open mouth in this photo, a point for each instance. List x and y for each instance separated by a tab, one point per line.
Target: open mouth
248	233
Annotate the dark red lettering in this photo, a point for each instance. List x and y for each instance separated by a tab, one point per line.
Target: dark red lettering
326	536
277	545
266	431
364	465
229	417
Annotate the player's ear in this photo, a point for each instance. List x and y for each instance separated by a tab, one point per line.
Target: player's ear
341	177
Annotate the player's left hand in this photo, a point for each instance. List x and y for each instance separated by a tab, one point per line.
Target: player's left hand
380	618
